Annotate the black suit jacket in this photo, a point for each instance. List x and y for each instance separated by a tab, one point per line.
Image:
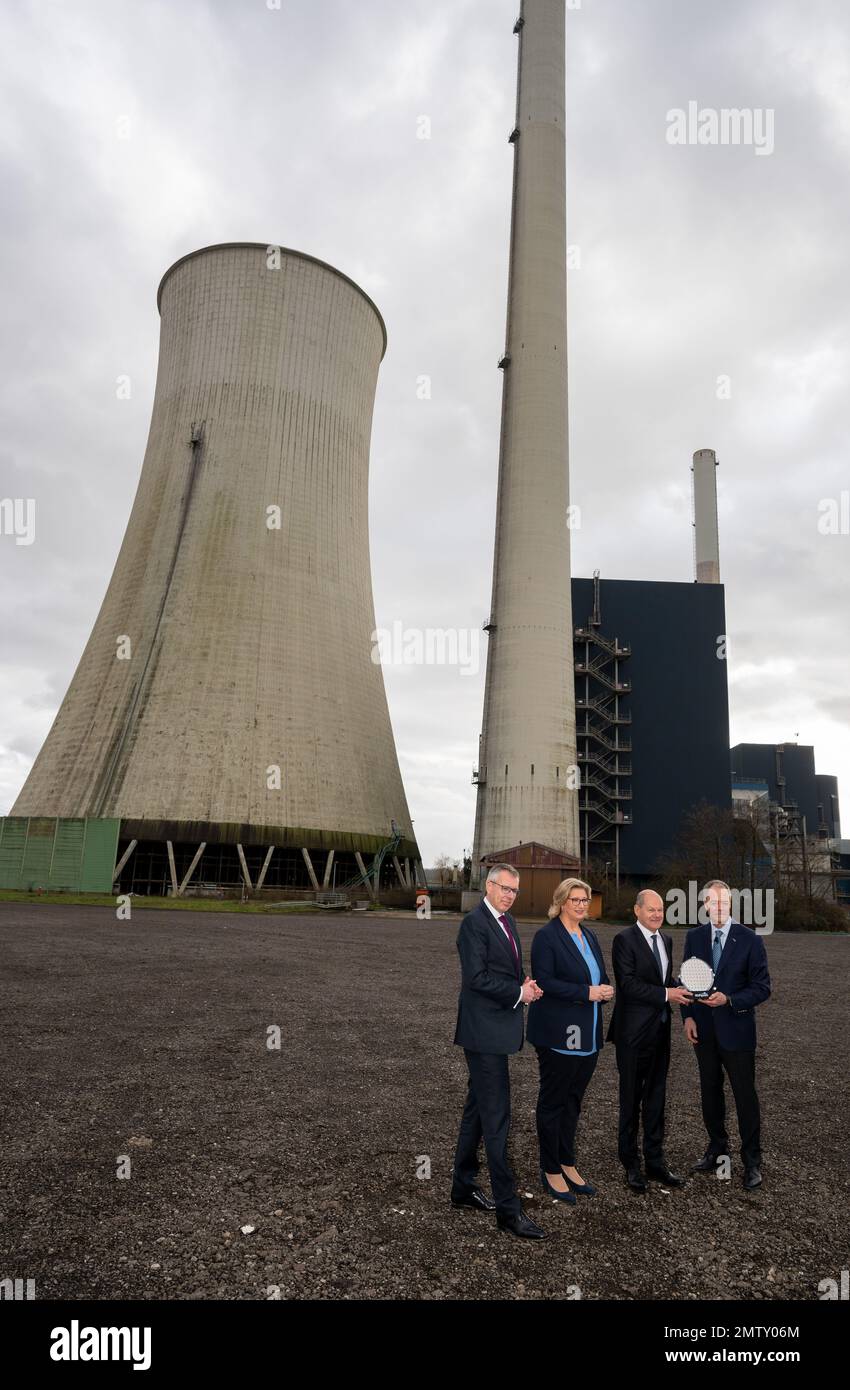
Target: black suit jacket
641	1006
561	971
489	1019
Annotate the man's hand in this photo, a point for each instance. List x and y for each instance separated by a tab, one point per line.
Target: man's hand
715	1000
679	995
691	1030
530	991
600	994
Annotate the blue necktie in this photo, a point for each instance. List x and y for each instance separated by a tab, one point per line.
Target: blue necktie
717	949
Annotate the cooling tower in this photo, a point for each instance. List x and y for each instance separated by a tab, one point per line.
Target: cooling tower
526	776
228	692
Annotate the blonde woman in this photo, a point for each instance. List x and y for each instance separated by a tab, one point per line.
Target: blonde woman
565	1026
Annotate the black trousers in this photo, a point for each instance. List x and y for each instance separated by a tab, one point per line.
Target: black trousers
563	1082
740	1067
643	1088
487	1116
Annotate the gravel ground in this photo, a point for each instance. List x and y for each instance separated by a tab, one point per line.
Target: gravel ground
148	1039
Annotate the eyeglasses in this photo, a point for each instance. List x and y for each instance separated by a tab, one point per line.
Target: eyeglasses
578	901
506	888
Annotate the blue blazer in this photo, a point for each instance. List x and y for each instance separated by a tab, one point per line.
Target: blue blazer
560	970
742	975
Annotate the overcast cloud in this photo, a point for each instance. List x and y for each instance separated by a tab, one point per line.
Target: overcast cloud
133	133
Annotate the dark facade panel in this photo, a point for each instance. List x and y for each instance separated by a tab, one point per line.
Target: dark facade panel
678	702
829	813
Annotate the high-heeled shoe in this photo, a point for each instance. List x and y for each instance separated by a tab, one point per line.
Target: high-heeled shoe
584	1189
553	1191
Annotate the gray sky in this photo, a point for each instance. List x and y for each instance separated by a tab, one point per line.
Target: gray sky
133	133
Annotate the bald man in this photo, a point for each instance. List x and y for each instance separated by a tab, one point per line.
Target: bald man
640	1029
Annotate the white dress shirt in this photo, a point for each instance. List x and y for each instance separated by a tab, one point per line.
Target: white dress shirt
648	935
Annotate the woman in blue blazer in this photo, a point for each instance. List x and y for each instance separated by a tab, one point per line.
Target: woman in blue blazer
565	1026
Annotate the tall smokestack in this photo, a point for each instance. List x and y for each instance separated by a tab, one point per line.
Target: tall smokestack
706	538
527	752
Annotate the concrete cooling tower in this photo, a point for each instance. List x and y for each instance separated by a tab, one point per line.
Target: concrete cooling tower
227	707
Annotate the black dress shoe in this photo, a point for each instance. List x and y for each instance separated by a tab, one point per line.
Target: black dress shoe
659	1172
473	1197
520	1225
752	1178
708	1162
635	1179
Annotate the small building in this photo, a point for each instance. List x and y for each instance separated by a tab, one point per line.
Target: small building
540	868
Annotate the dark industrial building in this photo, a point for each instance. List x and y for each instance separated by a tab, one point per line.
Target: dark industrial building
841	860
652	714
788	769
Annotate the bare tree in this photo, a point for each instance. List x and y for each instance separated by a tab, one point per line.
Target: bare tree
444	864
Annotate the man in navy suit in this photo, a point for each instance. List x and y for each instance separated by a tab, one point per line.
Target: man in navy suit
490	1026
722	1028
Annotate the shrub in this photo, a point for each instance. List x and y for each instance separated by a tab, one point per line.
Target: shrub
797	913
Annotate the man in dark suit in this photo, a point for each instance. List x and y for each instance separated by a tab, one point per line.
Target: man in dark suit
489	1027
722	1028
640	1028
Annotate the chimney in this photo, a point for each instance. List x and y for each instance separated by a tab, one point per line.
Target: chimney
706	541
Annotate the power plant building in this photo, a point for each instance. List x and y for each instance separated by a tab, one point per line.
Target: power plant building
787	772
652	715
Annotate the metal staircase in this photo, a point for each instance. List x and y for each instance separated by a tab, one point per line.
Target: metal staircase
602	745
373	873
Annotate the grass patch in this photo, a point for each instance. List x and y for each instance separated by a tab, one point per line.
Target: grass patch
9	895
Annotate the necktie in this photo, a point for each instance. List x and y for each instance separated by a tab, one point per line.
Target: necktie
717	949
657	954
509	934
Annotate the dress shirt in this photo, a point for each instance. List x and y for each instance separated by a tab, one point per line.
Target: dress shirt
648	935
